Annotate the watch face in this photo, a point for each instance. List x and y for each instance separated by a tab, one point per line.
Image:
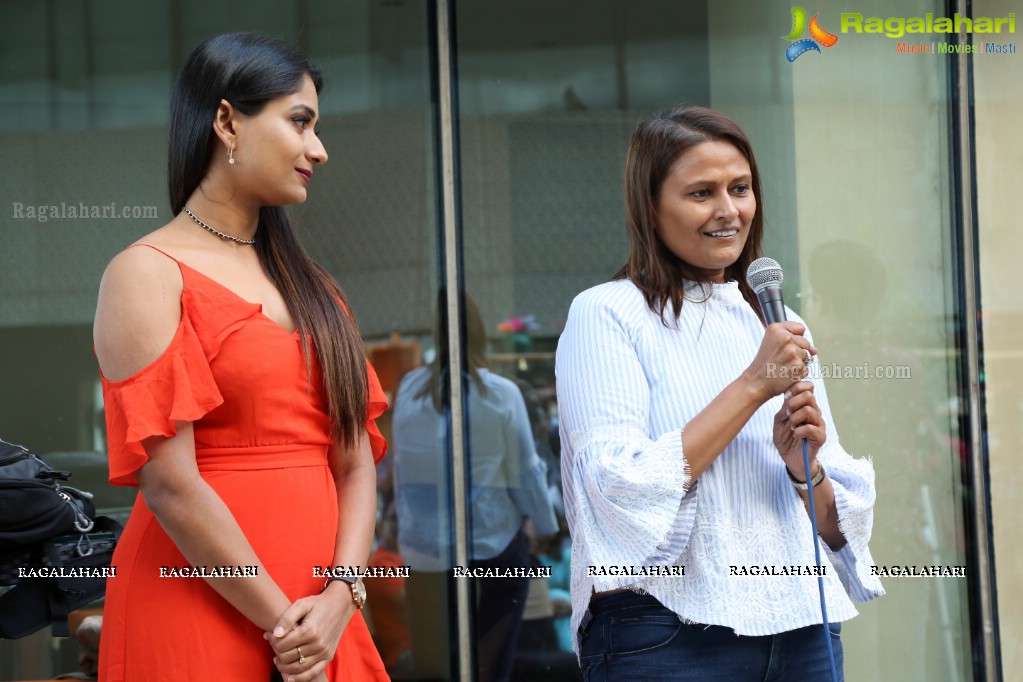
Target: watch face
359	592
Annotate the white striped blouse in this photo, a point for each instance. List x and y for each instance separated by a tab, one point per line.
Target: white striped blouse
627	385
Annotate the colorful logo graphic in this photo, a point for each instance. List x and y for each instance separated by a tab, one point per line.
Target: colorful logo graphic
817	35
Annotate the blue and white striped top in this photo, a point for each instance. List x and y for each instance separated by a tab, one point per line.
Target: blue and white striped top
627	385
509	480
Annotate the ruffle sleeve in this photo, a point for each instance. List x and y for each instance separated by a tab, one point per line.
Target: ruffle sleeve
177	386
376	405
627	492
853	483
526	472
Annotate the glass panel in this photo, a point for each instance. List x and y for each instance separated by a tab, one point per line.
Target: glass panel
999	147
85	92
875	240
852	149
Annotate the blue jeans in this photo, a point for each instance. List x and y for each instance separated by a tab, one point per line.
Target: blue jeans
632	637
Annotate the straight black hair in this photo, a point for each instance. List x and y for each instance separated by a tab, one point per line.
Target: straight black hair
249	70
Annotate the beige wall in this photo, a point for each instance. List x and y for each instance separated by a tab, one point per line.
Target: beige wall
999	115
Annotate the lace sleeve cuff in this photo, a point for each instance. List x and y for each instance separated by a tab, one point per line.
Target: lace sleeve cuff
636	507
853	483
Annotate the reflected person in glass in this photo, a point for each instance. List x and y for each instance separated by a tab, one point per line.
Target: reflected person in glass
508	486
682	416
238	399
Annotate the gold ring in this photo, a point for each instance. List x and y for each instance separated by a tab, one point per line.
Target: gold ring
301	658
808	359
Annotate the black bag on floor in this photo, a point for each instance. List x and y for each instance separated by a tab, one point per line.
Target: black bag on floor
53	548
33	504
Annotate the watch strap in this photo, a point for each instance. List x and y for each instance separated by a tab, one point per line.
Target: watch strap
354	583
350	579
802	485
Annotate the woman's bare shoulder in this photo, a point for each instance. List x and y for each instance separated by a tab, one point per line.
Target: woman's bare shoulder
138	310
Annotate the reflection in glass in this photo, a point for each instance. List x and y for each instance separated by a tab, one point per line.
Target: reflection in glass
508	486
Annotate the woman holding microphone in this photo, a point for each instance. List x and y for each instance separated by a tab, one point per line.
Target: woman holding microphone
682	420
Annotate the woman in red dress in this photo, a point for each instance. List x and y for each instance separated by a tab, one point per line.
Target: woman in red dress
238	399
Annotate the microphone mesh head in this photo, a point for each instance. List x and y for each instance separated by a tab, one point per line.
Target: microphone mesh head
763	273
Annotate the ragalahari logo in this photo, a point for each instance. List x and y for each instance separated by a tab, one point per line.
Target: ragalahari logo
817	35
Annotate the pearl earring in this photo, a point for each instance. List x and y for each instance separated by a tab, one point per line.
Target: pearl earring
230	156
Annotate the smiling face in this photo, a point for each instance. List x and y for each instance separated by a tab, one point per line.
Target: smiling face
706	206
277	148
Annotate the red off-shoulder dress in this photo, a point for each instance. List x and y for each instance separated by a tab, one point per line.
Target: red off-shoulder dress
261	440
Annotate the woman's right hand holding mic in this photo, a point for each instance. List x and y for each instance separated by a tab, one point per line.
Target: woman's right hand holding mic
780	362
783	359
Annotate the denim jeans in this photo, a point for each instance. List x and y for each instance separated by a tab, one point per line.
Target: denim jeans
632	637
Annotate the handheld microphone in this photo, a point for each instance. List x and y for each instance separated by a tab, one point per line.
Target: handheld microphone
764	276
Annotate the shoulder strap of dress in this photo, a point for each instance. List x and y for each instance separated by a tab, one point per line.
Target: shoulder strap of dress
131	246
182	267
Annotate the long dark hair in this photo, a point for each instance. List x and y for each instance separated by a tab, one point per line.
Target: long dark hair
657	143
475	350
249	70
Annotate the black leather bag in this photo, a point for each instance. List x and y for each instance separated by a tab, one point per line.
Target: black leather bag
34	505
65	573
53	549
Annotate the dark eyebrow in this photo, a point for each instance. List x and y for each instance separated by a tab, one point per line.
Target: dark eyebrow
303	107
745	177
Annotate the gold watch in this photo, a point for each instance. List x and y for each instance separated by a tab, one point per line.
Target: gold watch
354	582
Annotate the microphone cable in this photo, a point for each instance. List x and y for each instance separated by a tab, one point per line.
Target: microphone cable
817	556
764	276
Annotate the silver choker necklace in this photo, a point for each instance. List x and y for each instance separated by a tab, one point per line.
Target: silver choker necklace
217	232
